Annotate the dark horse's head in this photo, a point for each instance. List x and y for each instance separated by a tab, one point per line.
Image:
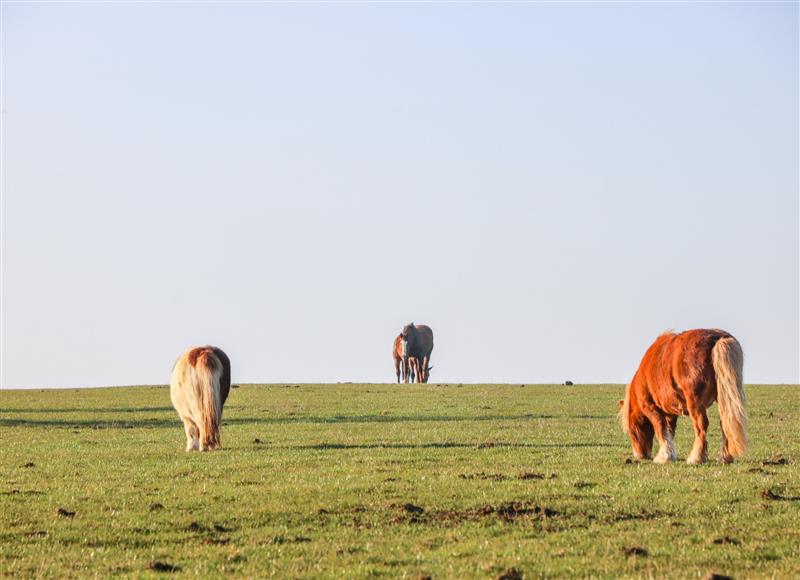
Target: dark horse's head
637	426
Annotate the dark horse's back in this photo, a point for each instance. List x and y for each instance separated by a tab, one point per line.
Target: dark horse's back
225	379
424	345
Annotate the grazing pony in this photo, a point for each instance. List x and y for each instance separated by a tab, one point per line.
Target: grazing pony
401	360
201	380
418	341
683	374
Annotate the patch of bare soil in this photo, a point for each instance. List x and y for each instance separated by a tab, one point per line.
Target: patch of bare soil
531	475
482	475
507	512
775	496
641	515
775	460
285	540
583	484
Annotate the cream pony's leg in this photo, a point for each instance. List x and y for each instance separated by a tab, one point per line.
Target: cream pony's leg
192	435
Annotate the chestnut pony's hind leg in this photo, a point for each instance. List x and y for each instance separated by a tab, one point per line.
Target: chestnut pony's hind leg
699	418
666	445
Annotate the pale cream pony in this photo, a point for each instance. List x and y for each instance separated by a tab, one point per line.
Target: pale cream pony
201	381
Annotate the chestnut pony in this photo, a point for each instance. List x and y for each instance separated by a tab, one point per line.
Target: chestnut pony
401	360
201	381
683	374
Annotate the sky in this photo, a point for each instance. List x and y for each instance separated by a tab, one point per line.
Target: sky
549	186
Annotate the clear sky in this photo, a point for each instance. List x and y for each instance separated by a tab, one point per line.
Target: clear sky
548	186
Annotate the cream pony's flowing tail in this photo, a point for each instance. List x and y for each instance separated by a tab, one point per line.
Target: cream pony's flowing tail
728	361
625	410
208	371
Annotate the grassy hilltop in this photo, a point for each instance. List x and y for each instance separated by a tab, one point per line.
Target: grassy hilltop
386	480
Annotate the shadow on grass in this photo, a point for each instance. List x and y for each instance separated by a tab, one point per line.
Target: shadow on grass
90	410
169	422
445	445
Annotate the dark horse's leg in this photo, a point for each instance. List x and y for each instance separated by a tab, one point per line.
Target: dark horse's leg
397	369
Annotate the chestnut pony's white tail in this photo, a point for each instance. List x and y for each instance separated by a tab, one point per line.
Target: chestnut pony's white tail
728	361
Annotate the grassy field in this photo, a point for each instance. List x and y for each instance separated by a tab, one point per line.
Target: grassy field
387	481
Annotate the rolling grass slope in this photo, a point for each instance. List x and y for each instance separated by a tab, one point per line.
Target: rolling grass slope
387	481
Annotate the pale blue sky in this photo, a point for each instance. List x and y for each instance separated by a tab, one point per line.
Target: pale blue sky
548	186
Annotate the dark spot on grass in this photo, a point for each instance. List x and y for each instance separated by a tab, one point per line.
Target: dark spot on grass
323	512
530	475
628	461
196	527
423	577
155	506
583	484
635	551
65	513
221	528
215	541
256	441
158	566
726	540
413	509
36	534
510	574
715	576
643	515
482	475
285	540
390	479
775	460
23	492
760	470
487	445
513	510
234	386
775	496
29	464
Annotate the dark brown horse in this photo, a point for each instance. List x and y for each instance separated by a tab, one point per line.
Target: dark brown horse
418	339
683	374
401	361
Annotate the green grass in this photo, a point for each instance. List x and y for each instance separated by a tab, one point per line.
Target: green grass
314	480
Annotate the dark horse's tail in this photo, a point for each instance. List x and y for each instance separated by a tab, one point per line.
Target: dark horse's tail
728	362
